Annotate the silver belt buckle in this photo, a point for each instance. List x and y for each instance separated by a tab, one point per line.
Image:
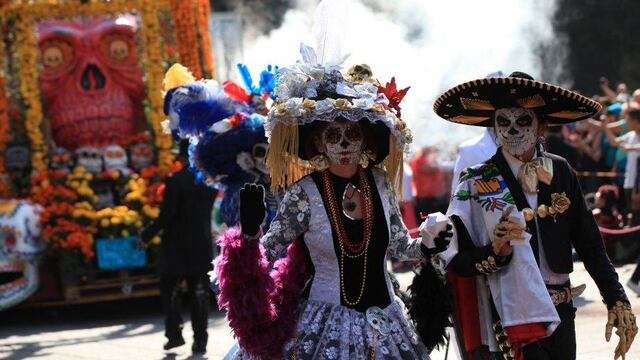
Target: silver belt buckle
378	320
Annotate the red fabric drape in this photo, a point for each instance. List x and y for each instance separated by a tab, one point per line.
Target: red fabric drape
521	335
466	302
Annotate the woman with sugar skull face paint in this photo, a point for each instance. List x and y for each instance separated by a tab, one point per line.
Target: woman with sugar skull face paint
517	217
331	294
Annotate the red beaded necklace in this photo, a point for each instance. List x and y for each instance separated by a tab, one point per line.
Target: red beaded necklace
356	249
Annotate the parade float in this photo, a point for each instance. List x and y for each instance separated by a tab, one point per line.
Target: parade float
82	149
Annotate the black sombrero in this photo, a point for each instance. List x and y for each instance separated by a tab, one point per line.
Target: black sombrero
474	102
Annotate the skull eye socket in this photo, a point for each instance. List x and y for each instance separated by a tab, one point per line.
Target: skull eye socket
146	151
502	121
332	135
65	157
525	120
353	133
259	151
118	154
56	54
109	154
118	47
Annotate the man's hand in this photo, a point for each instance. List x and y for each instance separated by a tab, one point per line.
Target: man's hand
252	208
505	231
621	317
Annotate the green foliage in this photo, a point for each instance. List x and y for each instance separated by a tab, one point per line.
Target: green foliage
602	39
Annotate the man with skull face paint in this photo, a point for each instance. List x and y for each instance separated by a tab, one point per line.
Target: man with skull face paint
517	216
333	229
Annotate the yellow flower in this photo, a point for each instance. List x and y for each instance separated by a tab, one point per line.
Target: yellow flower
84	205
156	240
128	220
116	220
106	212
105	223
121	209
125	233
138	223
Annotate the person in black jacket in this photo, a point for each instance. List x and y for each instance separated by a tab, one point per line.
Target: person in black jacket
517	216
186	251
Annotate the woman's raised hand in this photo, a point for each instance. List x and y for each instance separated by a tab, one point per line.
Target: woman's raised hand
252	208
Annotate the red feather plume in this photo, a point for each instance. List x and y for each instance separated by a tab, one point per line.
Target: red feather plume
395	96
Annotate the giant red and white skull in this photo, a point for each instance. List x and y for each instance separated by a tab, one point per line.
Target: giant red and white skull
91	80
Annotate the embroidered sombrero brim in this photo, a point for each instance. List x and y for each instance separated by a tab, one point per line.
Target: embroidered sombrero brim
474	102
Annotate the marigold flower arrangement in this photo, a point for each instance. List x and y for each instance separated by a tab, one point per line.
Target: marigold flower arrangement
135	190
68	219
140	199
69	236
119	221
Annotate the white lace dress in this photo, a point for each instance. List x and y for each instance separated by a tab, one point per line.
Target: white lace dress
326	329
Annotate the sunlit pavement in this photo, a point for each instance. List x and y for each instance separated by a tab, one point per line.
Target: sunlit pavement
98	333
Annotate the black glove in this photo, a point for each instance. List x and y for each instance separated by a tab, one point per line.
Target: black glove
441	241
252	208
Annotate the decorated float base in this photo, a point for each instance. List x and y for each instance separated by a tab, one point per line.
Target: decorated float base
103	285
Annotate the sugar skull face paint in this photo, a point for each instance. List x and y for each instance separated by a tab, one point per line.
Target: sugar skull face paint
343	141
516	129
259	153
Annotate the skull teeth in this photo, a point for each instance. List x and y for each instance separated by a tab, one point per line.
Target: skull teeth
13	267
14	284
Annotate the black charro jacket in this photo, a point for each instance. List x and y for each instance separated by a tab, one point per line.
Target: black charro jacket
576	227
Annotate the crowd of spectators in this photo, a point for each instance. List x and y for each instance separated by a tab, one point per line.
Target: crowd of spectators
605	151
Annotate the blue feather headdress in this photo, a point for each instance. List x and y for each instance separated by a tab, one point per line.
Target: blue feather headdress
221	122
267	83
195	107
226	157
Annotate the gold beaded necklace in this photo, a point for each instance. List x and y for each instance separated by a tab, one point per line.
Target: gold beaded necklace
357	249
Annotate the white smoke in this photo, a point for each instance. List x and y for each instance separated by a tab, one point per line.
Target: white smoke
428	45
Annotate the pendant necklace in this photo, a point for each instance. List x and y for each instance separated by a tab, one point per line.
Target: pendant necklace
349	204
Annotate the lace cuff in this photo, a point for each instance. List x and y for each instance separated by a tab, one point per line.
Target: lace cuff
401	245
291	221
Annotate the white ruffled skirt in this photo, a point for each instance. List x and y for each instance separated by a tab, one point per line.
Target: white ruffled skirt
330	331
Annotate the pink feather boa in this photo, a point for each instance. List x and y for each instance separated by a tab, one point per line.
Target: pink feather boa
261	304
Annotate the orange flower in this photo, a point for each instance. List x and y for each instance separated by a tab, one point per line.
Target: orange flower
183	21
